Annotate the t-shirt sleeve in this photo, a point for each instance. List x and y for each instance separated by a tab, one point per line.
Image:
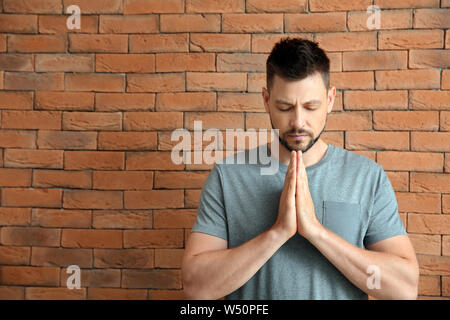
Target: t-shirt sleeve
384	221
211	216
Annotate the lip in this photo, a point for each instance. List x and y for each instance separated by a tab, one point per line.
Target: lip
298	137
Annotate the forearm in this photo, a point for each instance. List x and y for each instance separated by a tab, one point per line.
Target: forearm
398	276
214	274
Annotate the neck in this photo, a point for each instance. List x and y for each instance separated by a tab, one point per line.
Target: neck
311	157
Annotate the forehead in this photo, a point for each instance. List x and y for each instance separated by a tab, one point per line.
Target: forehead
310	88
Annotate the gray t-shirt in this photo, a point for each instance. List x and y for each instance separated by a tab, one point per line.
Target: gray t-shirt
352	197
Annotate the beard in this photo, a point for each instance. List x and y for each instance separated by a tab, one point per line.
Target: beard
296	146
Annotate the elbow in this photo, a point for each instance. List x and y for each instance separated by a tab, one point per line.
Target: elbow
412	288
191	291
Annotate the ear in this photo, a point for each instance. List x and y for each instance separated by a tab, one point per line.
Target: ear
331	96
265	95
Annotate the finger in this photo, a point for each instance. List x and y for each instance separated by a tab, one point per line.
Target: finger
289	183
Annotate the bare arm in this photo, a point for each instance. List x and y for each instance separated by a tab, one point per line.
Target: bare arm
216	273
394	258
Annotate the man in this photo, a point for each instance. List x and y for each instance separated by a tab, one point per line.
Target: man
326	226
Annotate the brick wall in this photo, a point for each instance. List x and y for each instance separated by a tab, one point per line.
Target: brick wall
86	119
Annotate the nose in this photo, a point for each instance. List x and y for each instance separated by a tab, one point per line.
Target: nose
297	120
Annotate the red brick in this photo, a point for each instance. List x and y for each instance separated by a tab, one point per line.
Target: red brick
252	22
153	278
399	180
61	178
58	24
25	236
445	121
153	238
179	62
153	199
374	60
388	4
178	42
95	82
406	120
116	294
51	257
214	6
418	202
123	180
16	62
153	6
410	161
166	295
410	39
92	199
122	219
257	121
216	120
282	6
192	198
263	43
164	82
244	62
98	43
25	139
356	120
89	238
16	100
250	102
124	101
429	285
430	141
445	80
37	6
124	258
38	276
315	22
366	140
102	121
180	218
91	278
12	119
13	255
124	63
151	161
190	23
36	43
2	42
66	140
97	160
35	293
180	179
256	81
34	81
64	63
446	245
219	81
14	216
149	121
373	100
432	18
211	42
425	243
429	100
129	24
78	101
424	59
429	223
33	158
15	177
186	101
168	258
407	79
338	5
352	80
60	218
98	6
347	41
429	182
18	23
127	141
389	20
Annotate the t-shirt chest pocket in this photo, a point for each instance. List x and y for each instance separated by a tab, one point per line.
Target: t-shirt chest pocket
344	219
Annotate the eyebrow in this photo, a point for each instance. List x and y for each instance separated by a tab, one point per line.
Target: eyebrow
290	103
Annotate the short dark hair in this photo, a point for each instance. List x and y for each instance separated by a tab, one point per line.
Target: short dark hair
296	59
